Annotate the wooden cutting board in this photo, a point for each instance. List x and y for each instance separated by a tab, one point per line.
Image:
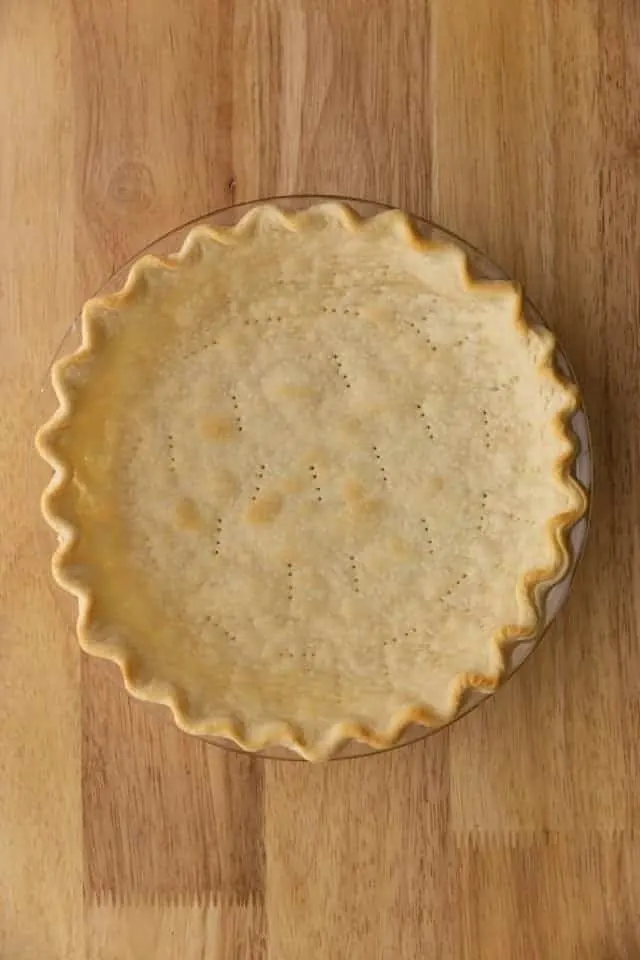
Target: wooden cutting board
515	834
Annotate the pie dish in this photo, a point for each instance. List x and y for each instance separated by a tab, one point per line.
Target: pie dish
310	481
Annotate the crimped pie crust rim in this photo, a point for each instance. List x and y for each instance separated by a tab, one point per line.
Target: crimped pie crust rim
532	586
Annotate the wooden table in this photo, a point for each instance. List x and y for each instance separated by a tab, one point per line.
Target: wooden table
514	834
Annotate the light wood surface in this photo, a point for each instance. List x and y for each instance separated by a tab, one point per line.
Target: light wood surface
515	834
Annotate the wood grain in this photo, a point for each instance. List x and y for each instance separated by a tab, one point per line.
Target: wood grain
165	818
385	893
514	834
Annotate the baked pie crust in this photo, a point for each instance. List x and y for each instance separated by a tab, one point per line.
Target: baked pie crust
310	479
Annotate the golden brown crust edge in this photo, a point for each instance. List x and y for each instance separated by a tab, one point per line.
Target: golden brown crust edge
285	734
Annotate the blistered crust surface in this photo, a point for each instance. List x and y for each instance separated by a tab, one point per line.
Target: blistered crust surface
308	478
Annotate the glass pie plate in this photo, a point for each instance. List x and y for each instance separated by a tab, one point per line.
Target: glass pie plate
553	597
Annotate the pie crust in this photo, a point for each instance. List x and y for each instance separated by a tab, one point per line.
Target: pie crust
311	481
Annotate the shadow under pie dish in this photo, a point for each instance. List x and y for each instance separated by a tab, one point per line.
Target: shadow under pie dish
310	480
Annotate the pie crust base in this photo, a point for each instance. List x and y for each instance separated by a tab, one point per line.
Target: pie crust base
386	494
